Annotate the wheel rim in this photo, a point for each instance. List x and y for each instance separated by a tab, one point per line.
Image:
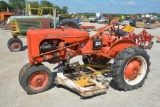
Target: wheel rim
135	70
15	46
38	80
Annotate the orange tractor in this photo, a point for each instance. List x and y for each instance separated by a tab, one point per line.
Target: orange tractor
105	54
3	18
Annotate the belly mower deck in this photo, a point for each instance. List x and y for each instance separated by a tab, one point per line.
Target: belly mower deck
86	84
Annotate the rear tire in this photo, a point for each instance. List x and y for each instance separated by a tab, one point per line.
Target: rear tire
36	79
130	68
68	23
15	44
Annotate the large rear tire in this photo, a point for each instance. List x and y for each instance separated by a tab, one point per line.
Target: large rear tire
68	23
36	79
130	68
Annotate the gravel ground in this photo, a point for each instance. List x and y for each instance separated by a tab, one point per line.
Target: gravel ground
12	95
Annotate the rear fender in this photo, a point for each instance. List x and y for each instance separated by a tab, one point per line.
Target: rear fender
119	46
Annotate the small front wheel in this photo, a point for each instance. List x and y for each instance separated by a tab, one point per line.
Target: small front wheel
15	45
37	79
22	72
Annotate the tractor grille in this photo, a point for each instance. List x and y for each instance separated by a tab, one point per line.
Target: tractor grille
13	26
28	23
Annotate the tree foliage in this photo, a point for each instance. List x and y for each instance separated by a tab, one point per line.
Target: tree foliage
59	10
46	4
47	10
34	5
65	10
17	4
20	4
3	6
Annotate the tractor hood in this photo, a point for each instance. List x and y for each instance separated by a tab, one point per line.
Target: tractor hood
68	35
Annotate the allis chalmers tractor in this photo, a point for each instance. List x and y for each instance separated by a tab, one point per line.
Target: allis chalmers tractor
104	54
20	24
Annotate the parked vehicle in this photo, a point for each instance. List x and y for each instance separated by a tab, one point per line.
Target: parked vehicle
102	21
93	20
139	23
3	19
125	23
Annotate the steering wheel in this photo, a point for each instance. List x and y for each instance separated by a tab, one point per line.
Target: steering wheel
114	23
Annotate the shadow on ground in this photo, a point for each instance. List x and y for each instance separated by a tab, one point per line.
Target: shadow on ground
24	48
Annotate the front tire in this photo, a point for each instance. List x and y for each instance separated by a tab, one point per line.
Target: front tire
37	79
15	44
130	68
22	72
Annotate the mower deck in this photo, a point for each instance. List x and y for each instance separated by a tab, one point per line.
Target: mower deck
85	83
92	87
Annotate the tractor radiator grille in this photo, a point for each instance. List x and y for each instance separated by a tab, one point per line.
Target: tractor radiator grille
27	24
13	25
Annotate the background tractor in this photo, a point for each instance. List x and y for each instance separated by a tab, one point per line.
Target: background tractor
105	54
3	19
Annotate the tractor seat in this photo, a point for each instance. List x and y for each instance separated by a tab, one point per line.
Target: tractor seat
122	32
125	30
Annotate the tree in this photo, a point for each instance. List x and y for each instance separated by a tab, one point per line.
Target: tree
46	4
3	6
59	10
34	5
64	10
17	4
